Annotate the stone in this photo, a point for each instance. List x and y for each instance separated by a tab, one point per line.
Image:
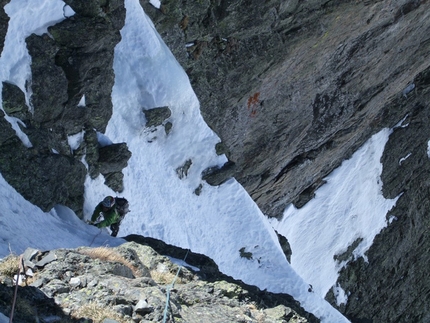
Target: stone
168	127
122	297
142	307
115	181
285	245
59	179
113	158
28	257
49	83
156	116
75	282
49	257
13	100
109	321
218	175
75	59
182	171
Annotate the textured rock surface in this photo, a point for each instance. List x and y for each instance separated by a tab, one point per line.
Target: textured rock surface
393	285
75	61
156	116
129	283
4	19
294	87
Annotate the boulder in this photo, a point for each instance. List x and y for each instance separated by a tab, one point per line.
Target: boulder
49	83
113	158
156	116
13	100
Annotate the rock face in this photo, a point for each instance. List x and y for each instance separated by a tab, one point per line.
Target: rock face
129	284
71	66
392	286
295	87
4	19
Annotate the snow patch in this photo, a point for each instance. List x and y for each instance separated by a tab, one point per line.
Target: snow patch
408	90
4	318
404	158
82	102
428	148
391	219
68	11
349	206
103	139
340	295
155	3
75	140
182	263
400	123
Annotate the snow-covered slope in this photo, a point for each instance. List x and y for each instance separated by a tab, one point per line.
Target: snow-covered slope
348	208
219	222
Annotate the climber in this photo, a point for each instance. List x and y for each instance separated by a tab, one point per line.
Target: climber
113	210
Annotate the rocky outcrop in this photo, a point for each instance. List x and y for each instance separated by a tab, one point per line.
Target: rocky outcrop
156	116
71	84
295	87
41	173
392	285
130	284
4	19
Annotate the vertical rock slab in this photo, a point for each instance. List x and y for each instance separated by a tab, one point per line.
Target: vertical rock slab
393	284
293	88
75	60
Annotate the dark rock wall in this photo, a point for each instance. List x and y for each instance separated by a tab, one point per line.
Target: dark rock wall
393	286
294	87
75	60
4	19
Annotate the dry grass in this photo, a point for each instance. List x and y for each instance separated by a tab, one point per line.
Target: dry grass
9	266
165	278
108	254
98	313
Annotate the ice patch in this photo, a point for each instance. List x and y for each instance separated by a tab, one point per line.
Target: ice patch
75	140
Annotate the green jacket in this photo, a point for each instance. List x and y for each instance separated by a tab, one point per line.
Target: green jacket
111	216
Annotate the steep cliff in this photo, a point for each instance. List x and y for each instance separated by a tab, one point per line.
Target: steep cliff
71	65
293	88
393	285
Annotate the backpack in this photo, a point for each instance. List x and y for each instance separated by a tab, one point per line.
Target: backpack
121	205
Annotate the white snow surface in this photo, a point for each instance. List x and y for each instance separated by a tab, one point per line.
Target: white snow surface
348	207
221	220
